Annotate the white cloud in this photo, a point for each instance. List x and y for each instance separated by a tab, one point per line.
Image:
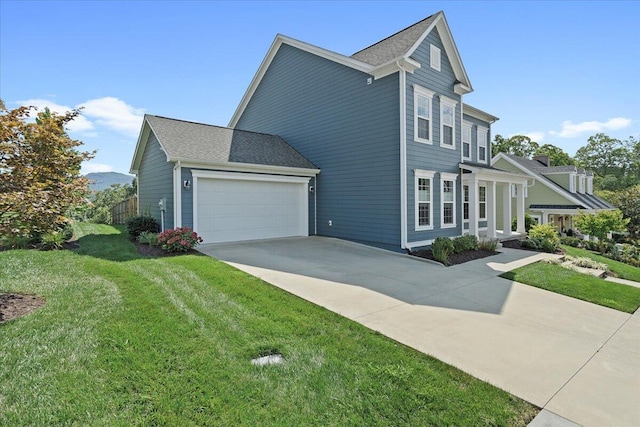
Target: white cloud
89	167
535	136
572	130
115	114
79	124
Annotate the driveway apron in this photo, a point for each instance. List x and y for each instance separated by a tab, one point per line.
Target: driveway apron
575	359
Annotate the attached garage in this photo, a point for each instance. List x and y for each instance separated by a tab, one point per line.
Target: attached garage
242	206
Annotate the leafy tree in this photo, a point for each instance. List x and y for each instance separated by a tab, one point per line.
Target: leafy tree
628	201
604	155
39	171
557	156
103	201
518	145
600	224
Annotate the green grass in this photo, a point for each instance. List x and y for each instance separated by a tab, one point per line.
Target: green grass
125	340
558	279
620	269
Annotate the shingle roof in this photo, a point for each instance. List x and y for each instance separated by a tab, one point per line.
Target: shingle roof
208	144
554	169
589	201
396	45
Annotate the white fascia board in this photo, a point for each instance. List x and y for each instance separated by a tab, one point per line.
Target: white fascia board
271	53
479	114
246	167
564	193
461	89
250	177
140	146
400	63
449	46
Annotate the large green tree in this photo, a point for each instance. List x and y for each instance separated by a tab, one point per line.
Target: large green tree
557	156
600	224
518	145
608	158
628	201
39	171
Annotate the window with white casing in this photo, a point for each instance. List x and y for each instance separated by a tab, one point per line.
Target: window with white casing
434	58
482	144
466	140
589	185
581	182
514	190
465	204
422	117
572	183
424	199
448	199
482	202
447	122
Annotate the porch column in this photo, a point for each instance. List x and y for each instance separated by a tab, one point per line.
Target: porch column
491	209
520	209
473	205
506	208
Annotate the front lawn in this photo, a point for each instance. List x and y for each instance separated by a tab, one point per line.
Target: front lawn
558	279
129	340
620	269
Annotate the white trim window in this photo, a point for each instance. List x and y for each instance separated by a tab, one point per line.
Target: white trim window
482	202
434	57
448	199
422	117
589	185
581	182
482	144
423	199
466	140
447	122
572	183
465	203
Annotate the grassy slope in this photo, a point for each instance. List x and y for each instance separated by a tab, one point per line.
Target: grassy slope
620	269
125	340
577	285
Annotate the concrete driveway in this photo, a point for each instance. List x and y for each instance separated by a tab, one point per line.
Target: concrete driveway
576	360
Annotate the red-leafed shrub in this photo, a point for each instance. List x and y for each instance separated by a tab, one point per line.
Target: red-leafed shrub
179	239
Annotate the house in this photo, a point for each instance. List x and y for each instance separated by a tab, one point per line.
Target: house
388	152
554	194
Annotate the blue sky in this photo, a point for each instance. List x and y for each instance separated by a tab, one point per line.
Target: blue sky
557	71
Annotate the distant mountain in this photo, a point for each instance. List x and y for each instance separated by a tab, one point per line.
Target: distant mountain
102	180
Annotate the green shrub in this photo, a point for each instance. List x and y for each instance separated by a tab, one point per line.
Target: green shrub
592	245
529	222
441	248
52	240
571	241
67	231
488	245
148	238
547	237
101	215
531	243
548	246
140	223
179	240
16	241
465	243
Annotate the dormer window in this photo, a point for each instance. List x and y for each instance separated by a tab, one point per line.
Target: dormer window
572	183
581	184
589	184
434	58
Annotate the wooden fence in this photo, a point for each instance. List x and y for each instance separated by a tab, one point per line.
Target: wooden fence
124	210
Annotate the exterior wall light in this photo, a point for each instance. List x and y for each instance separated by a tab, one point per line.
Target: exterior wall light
186	184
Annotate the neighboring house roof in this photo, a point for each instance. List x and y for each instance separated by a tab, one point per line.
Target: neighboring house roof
379	60
553	169
478	113
537	170
203	144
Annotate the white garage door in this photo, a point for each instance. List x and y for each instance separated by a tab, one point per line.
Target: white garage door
234	207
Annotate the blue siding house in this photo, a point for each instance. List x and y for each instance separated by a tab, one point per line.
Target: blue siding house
387	152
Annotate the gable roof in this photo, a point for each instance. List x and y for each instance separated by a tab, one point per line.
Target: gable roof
378	60
537	170
209	145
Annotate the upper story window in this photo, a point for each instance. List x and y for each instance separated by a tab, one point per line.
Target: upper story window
466	140
572	183
447	122
422	117
482	144
434	58
448	199
424	199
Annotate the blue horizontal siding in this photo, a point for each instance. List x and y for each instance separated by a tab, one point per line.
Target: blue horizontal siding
155	182
348	128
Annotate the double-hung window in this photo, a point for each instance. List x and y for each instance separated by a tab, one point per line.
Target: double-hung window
424	199
448	199
466	140
422	116
447	122
482	144
482	202
465	204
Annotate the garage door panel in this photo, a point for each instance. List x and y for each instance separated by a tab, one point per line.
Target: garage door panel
235	210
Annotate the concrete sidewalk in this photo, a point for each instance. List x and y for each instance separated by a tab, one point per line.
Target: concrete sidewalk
575	359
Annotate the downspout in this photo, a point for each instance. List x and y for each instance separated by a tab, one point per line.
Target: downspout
403	155
315	205
177	195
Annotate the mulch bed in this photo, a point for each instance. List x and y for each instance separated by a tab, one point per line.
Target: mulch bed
17	305
455	259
